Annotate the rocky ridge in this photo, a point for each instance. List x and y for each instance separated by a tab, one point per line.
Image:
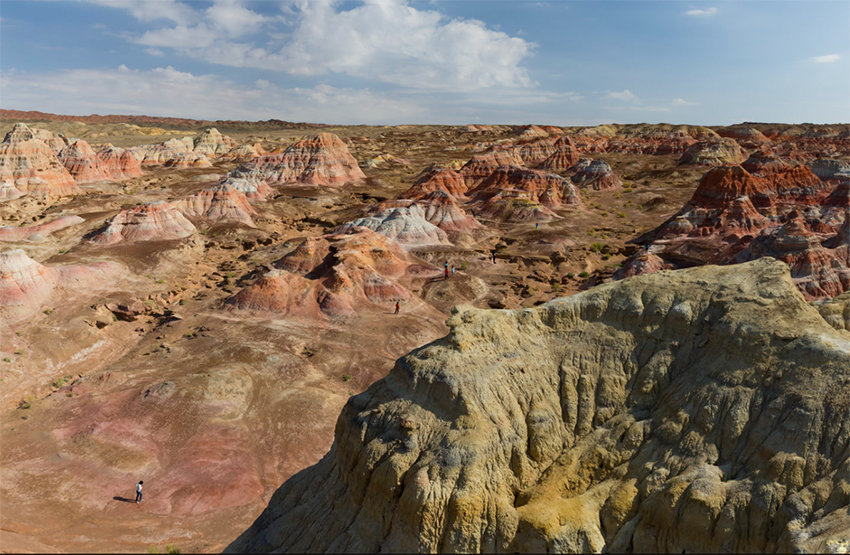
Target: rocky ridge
699	410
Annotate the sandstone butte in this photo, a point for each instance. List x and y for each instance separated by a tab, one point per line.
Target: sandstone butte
714	152
86	166
437	179
157	221
439	208
547	188
406	224
32	166
598	176
734	216
331	275
119	163
221	203
691	411
319	160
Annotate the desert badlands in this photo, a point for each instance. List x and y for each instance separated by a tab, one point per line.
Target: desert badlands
612	338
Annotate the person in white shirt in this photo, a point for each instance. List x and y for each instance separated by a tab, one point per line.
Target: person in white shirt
139	491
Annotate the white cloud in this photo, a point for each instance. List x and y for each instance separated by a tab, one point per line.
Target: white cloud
701	13
625	95
383	40
828	59
650	109
169	92
154	51
233	18
152	11
683	102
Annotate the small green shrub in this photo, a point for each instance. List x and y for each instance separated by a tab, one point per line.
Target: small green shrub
62	251
621	214
19	352
172	549
7	359
583	275
160	280
153	549
570	275
48	311
597	247
346	377
464	266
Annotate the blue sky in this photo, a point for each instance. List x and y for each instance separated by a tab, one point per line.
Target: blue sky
392	62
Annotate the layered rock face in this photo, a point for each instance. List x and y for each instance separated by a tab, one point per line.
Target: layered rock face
437	179
548	189
700	410
319	160
32	166
520	195
157	221
598	176
482	165
213	144
821	269
734	216
714	152
439	208
563	158
221	203
331	276
119	163
407	225
831	169
84	165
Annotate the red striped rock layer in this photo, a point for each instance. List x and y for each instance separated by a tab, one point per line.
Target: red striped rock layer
158	221
439	208
32	166
86	166
597	175
548	189
332	275
120	163
221	203
437	179
820	265
735	217
319	160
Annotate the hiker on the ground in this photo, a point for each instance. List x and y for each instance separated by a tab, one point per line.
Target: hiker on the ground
447	273
453	271
139	491
397	306
493	254
646	247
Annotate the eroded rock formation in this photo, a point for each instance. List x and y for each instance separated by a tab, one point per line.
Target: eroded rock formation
157	221
701	410
32	166
319	160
